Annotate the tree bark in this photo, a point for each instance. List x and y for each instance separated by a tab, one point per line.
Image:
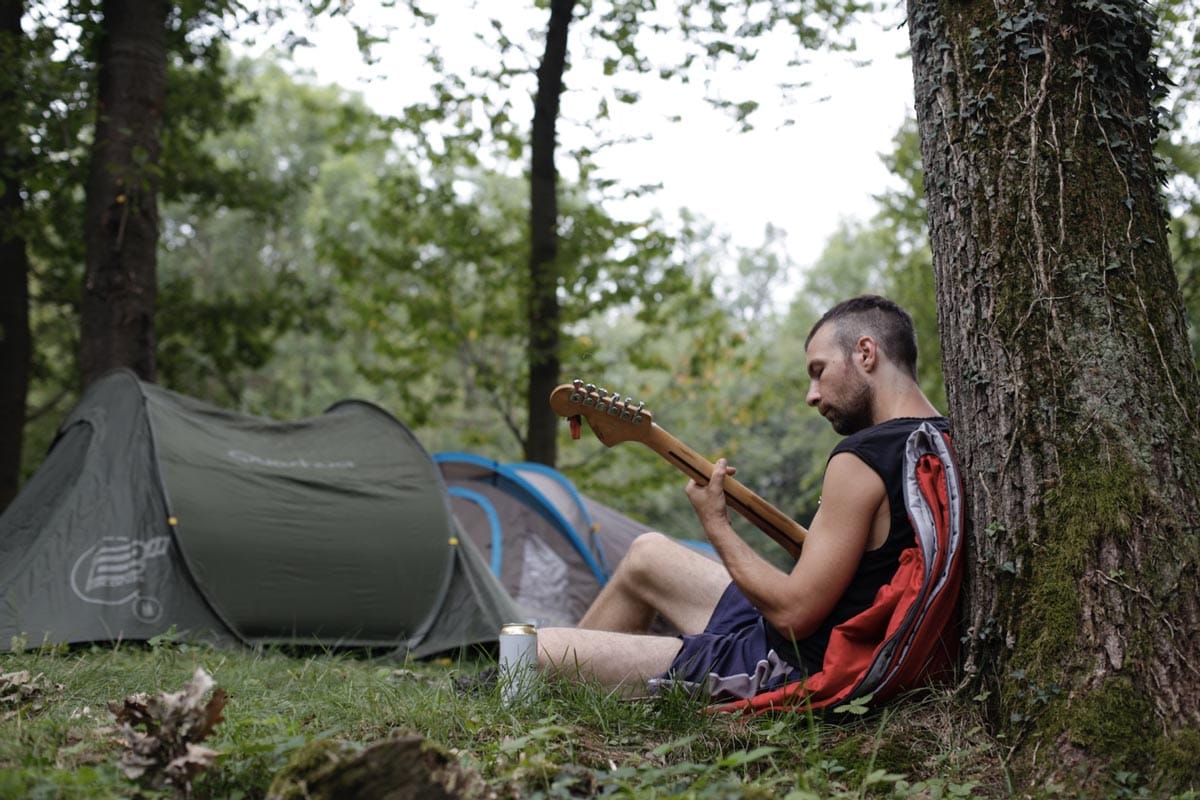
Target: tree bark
545	313
15	348
1070	383
121	216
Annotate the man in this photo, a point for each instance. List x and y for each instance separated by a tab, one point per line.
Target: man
746	625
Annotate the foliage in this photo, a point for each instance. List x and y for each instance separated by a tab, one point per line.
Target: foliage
238	271
58	132
1179	148
476	109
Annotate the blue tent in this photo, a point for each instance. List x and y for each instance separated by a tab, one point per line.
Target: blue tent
551	546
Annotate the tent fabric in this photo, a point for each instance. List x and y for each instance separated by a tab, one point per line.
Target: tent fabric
154	510
552	547
910	633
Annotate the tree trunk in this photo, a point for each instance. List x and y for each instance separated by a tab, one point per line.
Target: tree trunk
121	217
545	314
14	255
1069	380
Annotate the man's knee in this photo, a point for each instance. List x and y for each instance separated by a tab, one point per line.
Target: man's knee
646	556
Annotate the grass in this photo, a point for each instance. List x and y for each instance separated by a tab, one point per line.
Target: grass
59	740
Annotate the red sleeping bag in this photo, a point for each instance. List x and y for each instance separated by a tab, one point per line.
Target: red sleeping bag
910	633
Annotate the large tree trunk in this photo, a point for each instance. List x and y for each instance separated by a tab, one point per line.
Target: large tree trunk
1070	383
121	218
14	255
545	314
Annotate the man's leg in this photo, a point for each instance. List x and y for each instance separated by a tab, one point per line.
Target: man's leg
658	575
620	661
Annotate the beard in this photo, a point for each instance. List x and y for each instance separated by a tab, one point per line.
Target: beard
854	413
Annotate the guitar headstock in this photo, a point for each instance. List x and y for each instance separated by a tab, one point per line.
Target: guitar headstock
612	419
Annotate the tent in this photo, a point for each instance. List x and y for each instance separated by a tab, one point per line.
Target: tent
552	547
155	511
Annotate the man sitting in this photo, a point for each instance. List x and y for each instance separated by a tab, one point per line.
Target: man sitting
747	626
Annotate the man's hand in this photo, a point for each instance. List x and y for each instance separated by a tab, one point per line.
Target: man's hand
709	499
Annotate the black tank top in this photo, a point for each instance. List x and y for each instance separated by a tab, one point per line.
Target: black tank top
880	447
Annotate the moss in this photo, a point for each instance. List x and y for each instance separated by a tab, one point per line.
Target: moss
306	763
860	754
1092	501
1177	759
1112	722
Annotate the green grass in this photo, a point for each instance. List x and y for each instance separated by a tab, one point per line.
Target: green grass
572	741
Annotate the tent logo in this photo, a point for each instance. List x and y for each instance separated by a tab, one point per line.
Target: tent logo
242	457
108	573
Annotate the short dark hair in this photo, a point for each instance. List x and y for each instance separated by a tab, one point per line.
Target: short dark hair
882	319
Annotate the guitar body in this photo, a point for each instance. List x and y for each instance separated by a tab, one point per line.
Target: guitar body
613	421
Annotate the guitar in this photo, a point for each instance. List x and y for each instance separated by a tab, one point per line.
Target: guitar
614	420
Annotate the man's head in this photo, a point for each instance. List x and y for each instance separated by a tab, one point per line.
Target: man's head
846	347
883	320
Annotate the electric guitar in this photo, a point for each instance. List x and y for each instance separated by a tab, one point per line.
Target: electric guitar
614	420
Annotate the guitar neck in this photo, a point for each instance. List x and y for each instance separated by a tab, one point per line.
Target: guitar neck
764	516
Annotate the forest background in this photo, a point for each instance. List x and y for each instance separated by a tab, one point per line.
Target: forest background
273	245
314	249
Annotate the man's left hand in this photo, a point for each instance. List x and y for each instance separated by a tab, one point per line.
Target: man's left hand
709	499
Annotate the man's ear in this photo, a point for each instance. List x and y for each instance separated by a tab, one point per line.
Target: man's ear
866	352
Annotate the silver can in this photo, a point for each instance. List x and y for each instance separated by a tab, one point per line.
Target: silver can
518	661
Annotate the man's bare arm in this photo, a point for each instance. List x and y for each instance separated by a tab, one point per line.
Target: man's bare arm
797	602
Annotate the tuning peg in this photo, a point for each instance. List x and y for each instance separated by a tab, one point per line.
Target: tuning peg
614	408
576	391
637	413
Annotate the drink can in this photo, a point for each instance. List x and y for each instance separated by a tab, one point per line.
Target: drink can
518	661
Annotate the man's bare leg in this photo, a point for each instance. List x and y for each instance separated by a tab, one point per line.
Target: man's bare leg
618	661
658	575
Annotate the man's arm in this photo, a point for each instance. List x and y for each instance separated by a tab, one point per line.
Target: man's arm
797	602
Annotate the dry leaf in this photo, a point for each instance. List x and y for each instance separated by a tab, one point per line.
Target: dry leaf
162	733
21	692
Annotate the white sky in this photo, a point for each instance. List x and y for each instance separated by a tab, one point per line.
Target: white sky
802	178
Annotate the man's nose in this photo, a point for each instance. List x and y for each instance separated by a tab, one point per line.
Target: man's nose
814	396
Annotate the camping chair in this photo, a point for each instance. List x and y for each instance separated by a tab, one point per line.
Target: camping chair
910	633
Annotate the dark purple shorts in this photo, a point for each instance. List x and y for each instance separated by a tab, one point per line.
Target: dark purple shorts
737	656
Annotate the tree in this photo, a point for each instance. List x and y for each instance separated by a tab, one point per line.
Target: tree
138	44
713	33
1069	379
44	110
545	318
15	346
121	219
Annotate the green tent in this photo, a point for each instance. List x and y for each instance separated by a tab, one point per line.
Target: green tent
155	511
